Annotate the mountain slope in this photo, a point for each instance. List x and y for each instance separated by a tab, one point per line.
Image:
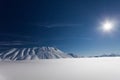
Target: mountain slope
74	55
33	53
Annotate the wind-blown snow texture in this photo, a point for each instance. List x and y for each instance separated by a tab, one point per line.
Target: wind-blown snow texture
32	53
62	69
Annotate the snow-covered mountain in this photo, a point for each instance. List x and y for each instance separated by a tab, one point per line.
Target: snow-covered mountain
109	55
33	53
74	55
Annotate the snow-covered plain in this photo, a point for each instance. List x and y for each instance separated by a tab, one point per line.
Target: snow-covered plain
62	69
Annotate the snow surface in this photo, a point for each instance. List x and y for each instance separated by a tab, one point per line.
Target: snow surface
62	69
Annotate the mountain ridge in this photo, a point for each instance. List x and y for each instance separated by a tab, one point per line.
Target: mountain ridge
32	53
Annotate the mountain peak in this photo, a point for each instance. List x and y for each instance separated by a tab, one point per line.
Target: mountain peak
33	53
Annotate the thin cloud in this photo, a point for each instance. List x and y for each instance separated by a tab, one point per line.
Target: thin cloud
59	25
10	43
16	43
14	35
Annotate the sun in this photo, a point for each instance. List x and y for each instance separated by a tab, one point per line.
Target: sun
108	26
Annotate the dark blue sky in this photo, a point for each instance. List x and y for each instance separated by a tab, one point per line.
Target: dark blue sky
70	25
